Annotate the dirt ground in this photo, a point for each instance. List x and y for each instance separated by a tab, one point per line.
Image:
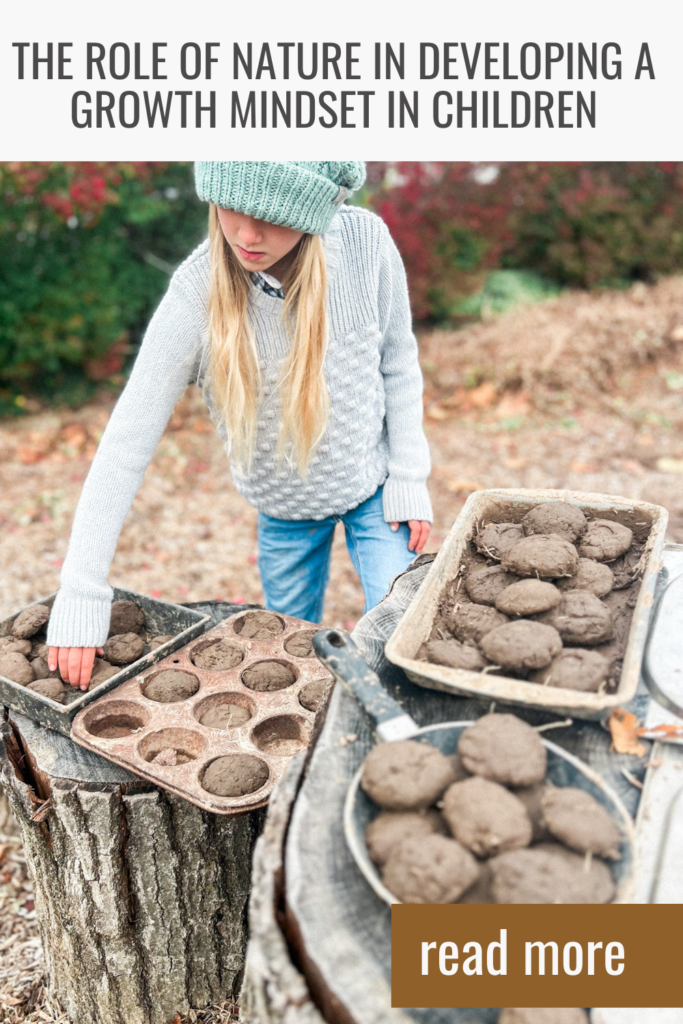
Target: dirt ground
580	392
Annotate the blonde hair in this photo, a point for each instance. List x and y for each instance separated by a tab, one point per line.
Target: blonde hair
233	359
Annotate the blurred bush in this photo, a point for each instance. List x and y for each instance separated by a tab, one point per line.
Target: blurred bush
85	254
584	225
86	249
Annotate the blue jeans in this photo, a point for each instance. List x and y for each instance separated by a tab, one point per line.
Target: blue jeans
294	557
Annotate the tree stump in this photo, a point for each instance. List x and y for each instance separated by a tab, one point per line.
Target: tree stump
141	897
274	990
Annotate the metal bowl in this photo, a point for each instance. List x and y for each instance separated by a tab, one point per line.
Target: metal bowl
563	770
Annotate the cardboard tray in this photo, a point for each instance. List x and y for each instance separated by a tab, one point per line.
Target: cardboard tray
279	725
161	617
416	625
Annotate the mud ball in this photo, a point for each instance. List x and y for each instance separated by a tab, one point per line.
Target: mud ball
504	749
429	869
580	618
540	1015
522	645
558	517
383	835
258	626
574	669
123	649
313	696
17	668
580	822
497	538
604	540
299	645
266	676
406	775
39	649
235	775
485	817
219	656
470	622
40	668
453	654
484	585
545	557
171	685
225	716
548	873
157	641
13	646
595	577
30	621
52	688
101	671
532	797
528	597
126	617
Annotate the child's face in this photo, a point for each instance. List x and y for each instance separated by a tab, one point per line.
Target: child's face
257	244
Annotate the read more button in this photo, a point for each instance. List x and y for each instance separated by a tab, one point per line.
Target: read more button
535	955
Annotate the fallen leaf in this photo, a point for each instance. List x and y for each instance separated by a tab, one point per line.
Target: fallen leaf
666	465
437	412
483	396
578	466
623	726
11	1001
662	731
460	486
177	1019
516	404
516	462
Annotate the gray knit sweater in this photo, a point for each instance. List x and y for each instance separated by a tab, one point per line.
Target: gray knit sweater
374	435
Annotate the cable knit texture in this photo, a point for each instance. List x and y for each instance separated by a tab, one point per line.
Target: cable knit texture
299	194
374	435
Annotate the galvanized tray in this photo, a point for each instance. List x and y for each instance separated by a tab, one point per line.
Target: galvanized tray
416	625
162	617
278	728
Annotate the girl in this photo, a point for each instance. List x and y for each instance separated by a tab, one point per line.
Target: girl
293	318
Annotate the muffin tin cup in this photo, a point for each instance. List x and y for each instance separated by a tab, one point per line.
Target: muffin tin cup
416	625
130	729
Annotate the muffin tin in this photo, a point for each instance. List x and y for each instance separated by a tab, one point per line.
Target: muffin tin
129	728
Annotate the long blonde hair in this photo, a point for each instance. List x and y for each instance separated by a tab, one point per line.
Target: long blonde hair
233	360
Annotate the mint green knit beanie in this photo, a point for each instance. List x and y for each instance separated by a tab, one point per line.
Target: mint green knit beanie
299	194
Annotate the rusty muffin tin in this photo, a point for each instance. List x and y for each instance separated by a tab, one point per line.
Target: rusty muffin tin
278	727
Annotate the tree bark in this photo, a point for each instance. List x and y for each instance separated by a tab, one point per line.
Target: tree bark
141	897
274	991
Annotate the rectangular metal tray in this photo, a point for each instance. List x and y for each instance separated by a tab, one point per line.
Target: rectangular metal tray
162	617
415	626
276	716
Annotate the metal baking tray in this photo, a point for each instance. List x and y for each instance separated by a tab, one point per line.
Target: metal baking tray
416	625
278	727
162	617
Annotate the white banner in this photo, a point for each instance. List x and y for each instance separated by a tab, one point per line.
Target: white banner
590	80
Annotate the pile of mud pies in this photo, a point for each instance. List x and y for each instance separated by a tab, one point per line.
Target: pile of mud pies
548	600
24	653
483	825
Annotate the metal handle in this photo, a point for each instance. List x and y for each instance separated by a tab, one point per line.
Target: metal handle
337	651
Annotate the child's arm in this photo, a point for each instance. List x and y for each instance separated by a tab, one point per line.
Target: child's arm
405	495
165	364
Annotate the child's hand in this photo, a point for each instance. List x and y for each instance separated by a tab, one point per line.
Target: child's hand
75	663
419	534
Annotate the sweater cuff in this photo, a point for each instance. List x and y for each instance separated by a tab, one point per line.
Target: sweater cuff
403	500
75	622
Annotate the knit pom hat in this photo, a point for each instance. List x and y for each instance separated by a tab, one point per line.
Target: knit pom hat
299	194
